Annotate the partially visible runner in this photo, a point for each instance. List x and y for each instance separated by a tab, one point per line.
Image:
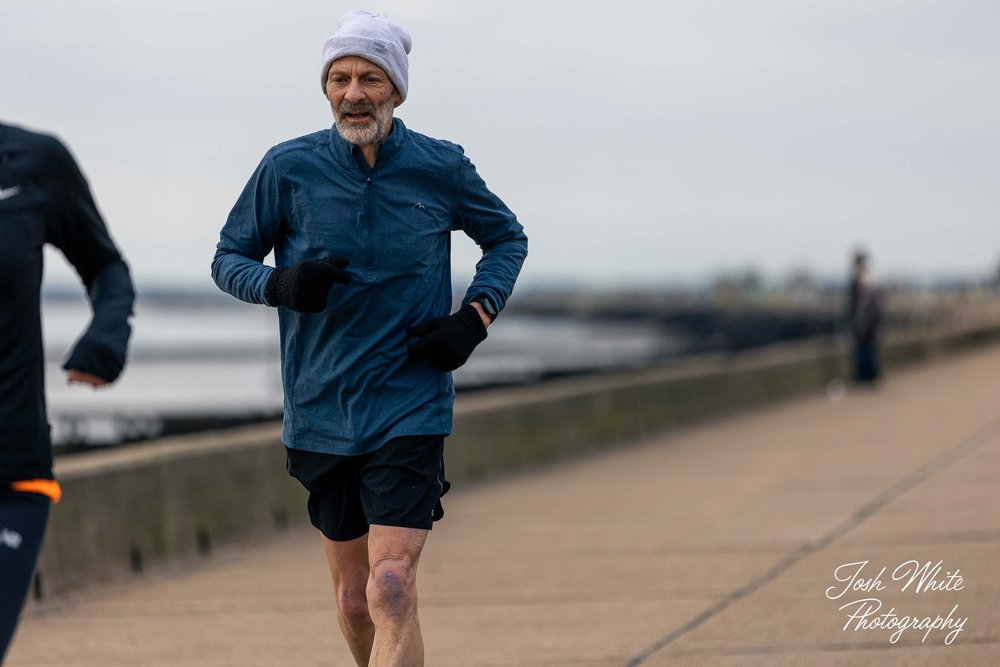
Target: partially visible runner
360	218
45	199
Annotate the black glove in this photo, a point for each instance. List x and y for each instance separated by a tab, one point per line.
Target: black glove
304	287
447	342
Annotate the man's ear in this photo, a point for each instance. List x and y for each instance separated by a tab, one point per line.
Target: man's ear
399	98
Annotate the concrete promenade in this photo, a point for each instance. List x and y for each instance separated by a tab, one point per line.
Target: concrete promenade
715	545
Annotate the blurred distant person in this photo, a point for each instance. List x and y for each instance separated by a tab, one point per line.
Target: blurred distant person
859	265
45	199
864	318
359	217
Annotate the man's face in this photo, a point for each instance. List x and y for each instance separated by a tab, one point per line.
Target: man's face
362	98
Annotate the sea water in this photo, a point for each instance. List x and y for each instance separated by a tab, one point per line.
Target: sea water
219	359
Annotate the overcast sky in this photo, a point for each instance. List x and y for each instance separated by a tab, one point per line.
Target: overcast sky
636	141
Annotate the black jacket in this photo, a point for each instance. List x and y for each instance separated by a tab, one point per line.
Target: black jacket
45	199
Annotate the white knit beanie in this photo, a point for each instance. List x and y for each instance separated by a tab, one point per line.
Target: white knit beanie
375	38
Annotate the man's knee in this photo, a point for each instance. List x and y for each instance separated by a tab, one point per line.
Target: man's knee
392	587
353	605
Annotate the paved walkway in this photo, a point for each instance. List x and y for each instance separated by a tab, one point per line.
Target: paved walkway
712	546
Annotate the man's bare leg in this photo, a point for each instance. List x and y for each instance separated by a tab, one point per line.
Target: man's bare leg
392	595
349	568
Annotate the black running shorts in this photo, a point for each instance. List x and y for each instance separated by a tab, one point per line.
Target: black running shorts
398	484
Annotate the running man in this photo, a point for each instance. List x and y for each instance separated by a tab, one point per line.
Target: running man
359	217
45	199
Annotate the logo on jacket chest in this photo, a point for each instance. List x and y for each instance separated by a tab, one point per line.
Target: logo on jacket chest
12	191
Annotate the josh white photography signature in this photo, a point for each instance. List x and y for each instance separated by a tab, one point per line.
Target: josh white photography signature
865	613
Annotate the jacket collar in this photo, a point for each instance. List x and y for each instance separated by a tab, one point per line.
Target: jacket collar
349	155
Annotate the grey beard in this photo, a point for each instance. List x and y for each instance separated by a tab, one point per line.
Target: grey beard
371	133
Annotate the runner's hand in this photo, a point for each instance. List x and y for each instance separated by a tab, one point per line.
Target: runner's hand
305	286
79	377
447	342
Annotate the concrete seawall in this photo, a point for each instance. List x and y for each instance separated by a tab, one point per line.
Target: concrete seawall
176	498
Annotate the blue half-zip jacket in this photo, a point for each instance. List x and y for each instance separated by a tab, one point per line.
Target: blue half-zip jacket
350	384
